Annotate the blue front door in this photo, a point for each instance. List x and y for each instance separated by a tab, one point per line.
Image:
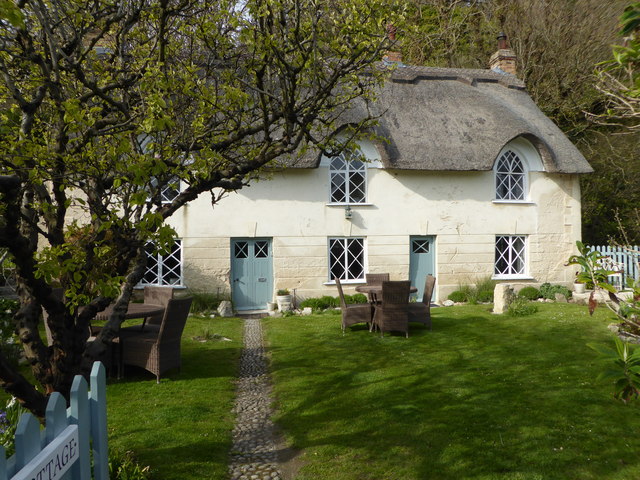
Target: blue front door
421	261
251	273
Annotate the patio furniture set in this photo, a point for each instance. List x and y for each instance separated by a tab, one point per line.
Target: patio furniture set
389	308
153	344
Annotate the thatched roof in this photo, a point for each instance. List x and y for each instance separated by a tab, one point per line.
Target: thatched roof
460	119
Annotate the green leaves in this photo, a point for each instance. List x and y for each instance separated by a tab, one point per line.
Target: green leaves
622	368
11	13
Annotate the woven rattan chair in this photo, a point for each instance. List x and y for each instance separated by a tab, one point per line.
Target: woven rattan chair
392	313
421	311
157	296
157	351
352	314
375	279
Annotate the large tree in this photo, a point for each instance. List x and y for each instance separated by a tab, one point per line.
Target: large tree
108	104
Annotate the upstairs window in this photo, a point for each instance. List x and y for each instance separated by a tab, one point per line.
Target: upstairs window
513	168
164	269
348	178
510	177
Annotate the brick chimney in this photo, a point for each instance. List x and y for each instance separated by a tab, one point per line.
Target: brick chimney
504	59
392	57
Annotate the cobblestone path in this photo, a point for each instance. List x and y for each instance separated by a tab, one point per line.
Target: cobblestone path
253	454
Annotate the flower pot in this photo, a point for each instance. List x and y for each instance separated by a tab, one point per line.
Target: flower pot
284	302
579	287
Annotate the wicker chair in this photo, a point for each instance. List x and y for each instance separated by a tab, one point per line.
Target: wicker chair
157	296
352	314
157	351
392	314
375	279
421	311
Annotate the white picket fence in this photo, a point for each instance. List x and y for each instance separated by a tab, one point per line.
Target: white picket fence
64	449
627	256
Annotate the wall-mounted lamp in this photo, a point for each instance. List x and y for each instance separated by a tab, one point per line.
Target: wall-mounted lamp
348	212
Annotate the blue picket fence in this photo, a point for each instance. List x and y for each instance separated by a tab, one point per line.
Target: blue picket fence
627	256
64	449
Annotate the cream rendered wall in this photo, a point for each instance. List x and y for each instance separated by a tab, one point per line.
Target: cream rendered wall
457	208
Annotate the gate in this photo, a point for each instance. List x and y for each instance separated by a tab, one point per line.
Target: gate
72	436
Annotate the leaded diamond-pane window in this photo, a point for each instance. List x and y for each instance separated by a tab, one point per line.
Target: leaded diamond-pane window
510	177
510	255
346	258
348	178
164	269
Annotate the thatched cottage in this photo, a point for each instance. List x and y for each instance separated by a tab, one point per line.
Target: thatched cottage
472	180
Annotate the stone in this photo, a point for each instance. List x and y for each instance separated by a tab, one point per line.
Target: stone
306	311
448	303
225	309
561	298
502	297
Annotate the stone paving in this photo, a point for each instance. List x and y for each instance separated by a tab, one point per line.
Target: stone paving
254	450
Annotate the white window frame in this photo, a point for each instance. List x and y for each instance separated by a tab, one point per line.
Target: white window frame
510	178
158	268
366	151
170	191
348	261
353	166
530	161
511	256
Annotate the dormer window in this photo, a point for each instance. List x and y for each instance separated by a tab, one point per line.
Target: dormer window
510	177
512	170
348	177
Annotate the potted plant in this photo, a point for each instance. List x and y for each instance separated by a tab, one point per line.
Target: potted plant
283	299
578	284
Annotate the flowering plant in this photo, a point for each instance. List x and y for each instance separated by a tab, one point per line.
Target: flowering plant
8	423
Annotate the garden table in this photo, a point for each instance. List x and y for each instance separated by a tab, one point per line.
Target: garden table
376	290
134	310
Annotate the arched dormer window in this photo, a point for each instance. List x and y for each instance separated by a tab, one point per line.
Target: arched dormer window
510	177
348	173
511	171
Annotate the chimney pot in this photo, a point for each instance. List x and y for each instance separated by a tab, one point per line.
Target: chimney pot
502	41
504	59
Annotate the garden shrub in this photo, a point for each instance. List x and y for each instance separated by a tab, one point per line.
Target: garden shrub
484	289
204	302
356	298
458	296
549	291
521	307
484	296
530	293
322	303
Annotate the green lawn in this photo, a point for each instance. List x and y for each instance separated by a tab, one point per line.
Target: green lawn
482	396
181	427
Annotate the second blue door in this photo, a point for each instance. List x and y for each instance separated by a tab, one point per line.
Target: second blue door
251	273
